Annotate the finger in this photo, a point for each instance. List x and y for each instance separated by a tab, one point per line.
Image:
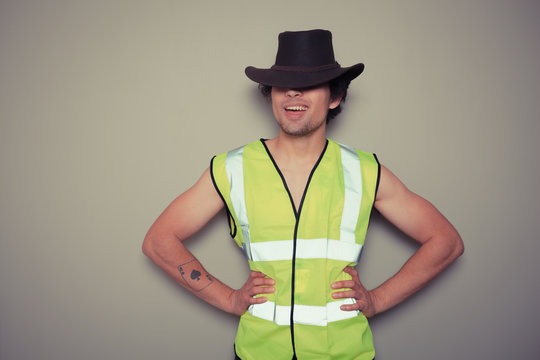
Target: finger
257	300
263	281
359	304
344	294
262	290
351	307
343	284
351	271
256	274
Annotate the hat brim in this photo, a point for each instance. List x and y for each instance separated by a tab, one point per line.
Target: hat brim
301	79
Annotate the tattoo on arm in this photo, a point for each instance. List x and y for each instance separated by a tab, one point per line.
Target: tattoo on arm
194	275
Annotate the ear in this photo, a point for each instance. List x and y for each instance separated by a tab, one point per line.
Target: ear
334	103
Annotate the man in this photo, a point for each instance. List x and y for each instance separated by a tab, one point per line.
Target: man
299	206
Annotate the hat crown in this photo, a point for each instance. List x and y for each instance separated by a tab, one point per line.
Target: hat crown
312	48
304	59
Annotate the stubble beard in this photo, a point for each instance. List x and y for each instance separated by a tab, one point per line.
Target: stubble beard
303	130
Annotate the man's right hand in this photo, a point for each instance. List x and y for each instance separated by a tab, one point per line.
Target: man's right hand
256	284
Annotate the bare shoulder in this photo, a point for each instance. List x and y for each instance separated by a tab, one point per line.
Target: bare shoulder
191	210
389	186
408	211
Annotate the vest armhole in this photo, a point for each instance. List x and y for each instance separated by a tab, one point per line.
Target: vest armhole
230	219
378	177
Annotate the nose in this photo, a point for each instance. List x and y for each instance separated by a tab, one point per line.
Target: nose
294	92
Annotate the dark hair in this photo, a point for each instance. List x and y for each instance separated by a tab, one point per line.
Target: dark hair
338	87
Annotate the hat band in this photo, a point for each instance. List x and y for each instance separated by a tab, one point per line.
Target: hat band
305	69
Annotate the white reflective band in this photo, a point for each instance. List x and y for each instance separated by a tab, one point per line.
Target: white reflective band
341	250
303	314
272	250
352	177
234	166
278	314
306	249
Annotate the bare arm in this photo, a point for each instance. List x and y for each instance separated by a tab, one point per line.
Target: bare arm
186	215
440	246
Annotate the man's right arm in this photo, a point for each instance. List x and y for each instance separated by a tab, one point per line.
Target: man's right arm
186	215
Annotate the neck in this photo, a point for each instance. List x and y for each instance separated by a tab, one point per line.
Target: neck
298	149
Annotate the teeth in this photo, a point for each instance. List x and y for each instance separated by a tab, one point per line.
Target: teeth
296	108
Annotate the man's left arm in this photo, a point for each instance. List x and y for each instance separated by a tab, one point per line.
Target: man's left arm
416	217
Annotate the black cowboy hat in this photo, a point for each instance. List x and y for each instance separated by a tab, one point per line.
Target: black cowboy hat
304	59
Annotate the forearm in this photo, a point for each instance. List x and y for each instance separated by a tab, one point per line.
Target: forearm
179	263
426	263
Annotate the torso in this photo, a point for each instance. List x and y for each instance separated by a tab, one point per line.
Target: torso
296	179
296	171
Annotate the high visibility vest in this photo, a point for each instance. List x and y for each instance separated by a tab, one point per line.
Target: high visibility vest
303	250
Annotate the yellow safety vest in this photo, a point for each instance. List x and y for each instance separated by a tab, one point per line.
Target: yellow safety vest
304	251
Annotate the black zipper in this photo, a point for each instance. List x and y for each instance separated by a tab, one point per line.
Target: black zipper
297	217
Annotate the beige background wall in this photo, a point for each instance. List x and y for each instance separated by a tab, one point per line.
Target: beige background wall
109	109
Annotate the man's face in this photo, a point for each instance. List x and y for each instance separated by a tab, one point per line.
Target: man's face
301	112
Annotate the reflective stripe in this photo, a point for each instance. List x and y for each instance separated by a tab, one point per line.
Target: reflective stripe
234	166
303	314
272	250
306	249
281	315
352	178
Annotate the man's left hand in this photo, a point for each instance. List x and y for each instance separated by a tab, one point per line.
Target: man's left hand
365	301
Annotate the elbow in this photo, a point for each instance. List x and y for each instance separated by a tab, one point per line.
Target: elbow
461	247
449	247
458	248
157	245
148	247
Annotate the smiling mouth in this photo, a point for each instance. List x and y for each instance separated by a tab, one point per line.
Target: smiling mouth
296	108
